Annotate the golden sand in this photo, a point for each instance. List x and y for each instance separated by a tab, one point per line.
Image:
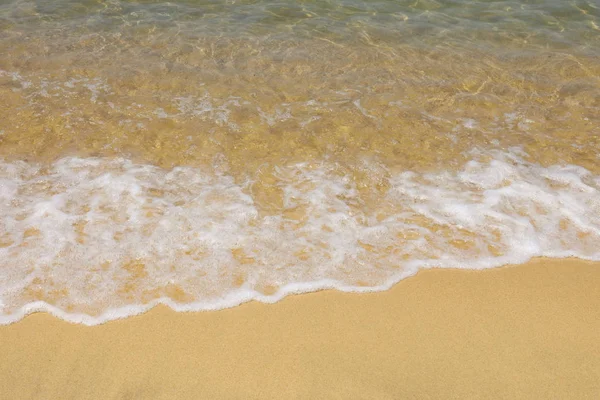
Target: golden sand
525	332
251	106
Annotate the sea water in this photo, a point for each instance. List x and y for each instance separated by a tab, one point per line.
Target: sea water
202	154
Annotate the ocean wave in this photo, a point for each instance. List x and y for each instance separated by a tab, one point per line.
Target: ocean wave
95	239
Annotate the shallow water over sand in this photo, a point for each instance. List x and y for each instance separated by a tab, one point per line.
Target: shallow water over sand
208	153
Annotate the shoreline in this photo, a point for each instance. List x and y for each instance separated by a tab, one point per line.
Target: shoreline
523	331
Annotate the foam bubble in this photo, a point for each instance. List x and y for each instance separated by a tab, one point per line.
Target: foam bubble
91	239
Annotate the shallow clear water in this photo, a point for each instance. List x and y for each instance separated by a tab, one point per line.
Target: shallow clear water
202	154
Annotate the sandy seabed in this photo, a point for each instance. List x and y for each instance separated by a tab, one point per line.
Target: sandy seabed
521	332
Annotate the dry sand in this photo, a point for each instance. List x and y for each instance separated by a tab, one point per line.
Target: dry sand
525	332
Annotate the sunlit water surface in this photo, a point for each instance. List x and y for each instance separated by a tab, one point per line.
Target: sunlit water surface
206	153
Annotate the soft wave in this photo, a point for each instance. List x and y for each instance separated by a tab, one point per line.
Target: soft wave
91	240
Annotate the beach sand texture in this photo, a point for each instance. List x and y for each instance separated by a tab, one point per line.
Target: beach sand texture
524	332
204	154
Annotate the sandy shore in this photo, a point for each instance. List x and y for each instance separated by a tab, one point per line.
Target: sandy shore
525	332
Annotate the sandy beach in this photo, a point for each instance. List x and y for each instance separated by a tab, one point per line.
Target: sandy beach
206	154
520	332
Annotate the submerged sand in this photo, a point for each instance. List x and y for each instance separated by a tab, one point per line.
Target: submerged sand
524	332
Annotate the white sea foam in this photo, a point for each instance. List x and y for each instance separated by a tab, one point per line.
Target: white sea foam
90	240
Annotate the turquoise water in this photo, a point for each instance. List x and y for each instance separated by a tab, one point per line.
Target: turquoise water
570	25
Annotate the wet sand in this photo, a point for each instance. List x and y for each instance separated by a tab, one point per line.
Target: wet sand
524	332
